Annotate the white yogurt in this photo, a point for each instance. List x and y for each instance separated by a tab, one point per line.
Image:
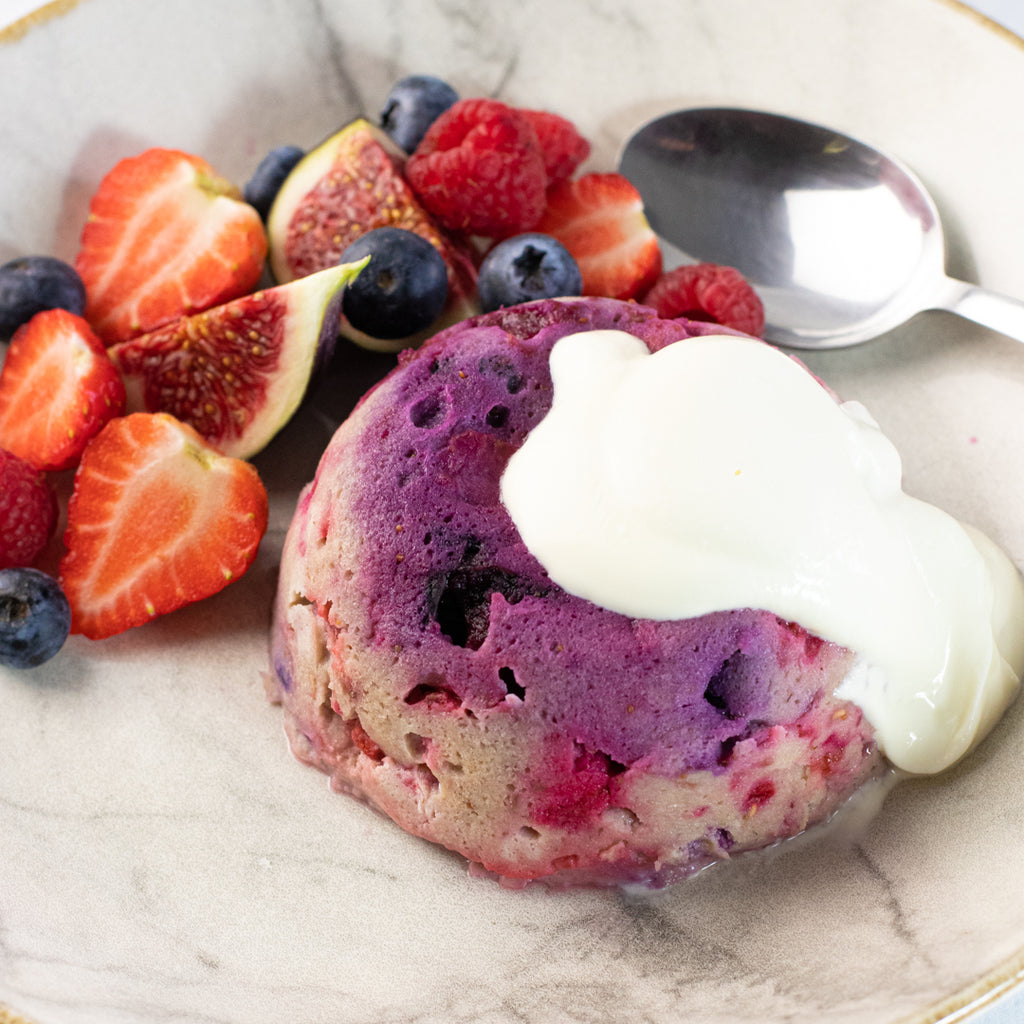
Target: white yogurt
717	474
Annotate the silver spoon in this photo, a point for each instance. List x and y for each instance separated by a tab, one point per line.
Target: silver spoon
841	242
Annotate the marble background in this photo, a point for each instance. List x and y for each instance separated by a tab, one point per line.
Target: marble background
164	859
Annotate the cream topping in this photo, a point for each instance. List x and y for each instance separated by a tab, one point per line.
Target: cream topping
718	473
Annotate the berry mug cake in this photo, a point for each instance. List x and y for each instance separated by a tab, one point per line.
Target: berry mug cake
479	635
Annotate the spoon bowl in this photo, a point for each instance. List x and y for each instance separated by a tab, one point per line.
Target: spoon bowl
841	241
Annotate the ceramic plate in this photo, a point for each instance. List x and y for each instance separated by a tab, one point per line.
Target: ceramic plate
163	857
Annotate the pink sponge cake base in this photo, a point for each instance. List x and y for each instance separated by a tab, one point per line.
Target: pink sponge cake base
427	664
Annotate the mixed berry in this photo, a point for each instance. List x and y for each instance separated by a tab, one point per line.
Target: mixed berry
35	617
33	283
270	174
401	290
527	267
155	370
412	106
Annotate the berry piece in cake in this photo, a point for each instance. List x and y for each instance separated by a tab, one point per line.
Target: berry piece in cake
480	169
266	181
351	184
600	219
527	267
709	292
166	236
158	519
28	511
237	373
35	617
412	106
563	147
33	283
401	290
58	387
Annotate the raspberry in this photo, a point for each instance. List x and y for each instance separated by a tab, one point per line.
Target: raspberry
563	147
480	169
28	511
708	292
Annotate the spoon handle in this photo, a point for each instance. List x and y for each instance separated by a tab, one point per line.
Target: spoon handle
990	309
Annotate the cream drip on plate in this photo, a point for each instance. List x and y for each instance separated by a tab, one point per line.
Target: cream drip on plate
718	473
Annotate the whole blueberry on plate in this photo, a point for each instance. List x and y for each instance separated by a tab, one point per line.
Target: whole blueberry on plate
401	290
35	617
412	106
30	284
266	181
527	267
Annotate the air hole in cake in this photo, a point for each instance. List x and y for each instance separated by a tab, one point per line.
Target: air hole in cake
725	750
434	694
529	833
460	601
497	416
427	412
501	366
512	687
426	778
719	692
415	745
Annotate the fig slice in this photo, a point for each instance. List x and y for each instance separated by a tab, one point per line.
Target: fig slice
237	372
348	185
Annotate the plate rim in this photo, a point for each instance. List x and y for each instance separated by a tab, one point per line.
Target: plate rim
1003	980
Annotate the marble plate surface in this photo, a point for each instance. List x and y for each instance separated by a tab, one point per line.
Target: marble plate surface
163	857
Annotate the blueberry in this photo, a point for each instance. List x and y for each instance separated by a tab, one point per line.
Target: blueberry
266	181
35	618
412	106
401	290
527	267
30	284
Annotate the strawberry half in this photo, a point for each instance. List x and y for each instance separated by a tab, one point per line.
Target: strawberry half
158	519
600	219
58	387
166	236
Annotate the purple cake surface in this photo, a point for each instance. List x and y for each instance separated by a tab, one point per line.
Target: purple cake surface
427	663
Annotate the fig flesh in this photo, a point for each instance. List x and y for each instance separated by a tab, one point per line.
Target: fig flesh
237	372
348	185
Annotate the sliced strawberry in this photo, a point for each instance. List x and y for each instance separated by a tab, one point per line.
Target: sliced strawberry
157	520
600	219
166	236
58	387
